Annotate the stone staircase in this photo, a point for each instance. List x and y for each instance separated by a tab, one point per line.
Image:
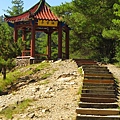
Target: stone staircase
99	93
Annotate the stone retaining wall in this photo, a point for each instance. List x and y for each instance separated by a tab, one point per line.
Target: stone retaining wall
22	62
25	62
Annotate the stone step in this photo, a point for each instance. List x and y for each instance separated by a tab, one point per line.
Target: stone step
97	105
85	60
98	76
93	68
81	62
98	81
97	117
98	95
98	87
93	111
86	63
93	65
98	91
98	84
98	100
96	72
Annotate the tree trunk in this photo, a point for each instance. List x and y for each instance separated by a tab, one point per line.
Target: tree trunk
4	72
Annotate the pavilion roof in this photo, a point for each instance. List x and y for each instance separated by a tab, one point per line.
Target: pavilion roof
40	11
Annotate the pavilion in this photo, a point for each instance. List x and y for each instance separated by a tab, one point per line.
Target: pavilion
40	18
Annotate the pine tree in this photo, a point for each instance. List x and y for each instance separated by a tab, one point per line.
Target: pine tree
8	49
87	20
16	9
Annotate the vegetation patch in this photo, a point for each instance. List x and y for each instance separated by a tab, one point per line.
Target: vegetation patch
79	90
41	66
46	75
15	109
80	70
44	82
13	76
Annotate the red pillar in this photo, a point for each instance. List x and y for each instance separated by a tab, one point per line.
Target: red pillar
49	46
32	52
23	39
15	33
60	41
67	44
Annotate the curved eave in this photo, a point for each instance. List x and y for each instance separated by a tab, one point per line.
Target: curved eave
40	11
22	17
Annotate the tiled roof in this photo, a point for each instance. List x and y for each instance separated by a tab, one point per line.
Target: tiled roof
39	11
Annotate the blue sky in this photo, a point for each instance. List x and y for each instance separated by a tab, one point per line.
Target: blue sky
28	4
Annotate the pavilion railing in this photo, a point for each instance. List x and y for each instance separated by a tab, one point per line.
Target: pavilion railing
26	53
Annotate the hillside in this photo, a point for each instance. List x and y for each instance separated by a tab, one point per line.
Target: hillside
43	93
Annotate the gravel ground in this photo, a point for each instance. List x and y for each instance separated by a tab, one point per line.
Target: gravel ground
115	70
116	73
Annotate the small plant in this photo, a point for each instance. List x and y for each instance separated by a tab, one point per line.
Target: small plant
44	82
46	75
80	70
79	91
105	60
117	64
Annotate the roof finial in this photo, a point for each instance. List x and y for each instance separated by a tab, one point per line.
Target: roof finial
43	0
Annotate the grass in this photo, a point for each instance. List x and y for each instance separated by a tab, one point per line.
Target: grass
44	82
79	90
117	64
15	109
80	70
41	67
46	75
23	71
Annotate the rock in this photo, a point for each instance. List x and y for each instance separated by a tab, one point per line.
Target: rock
65	79
58	61
44	61
37	89
45	110
48	90
31	115
71	83
31	81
